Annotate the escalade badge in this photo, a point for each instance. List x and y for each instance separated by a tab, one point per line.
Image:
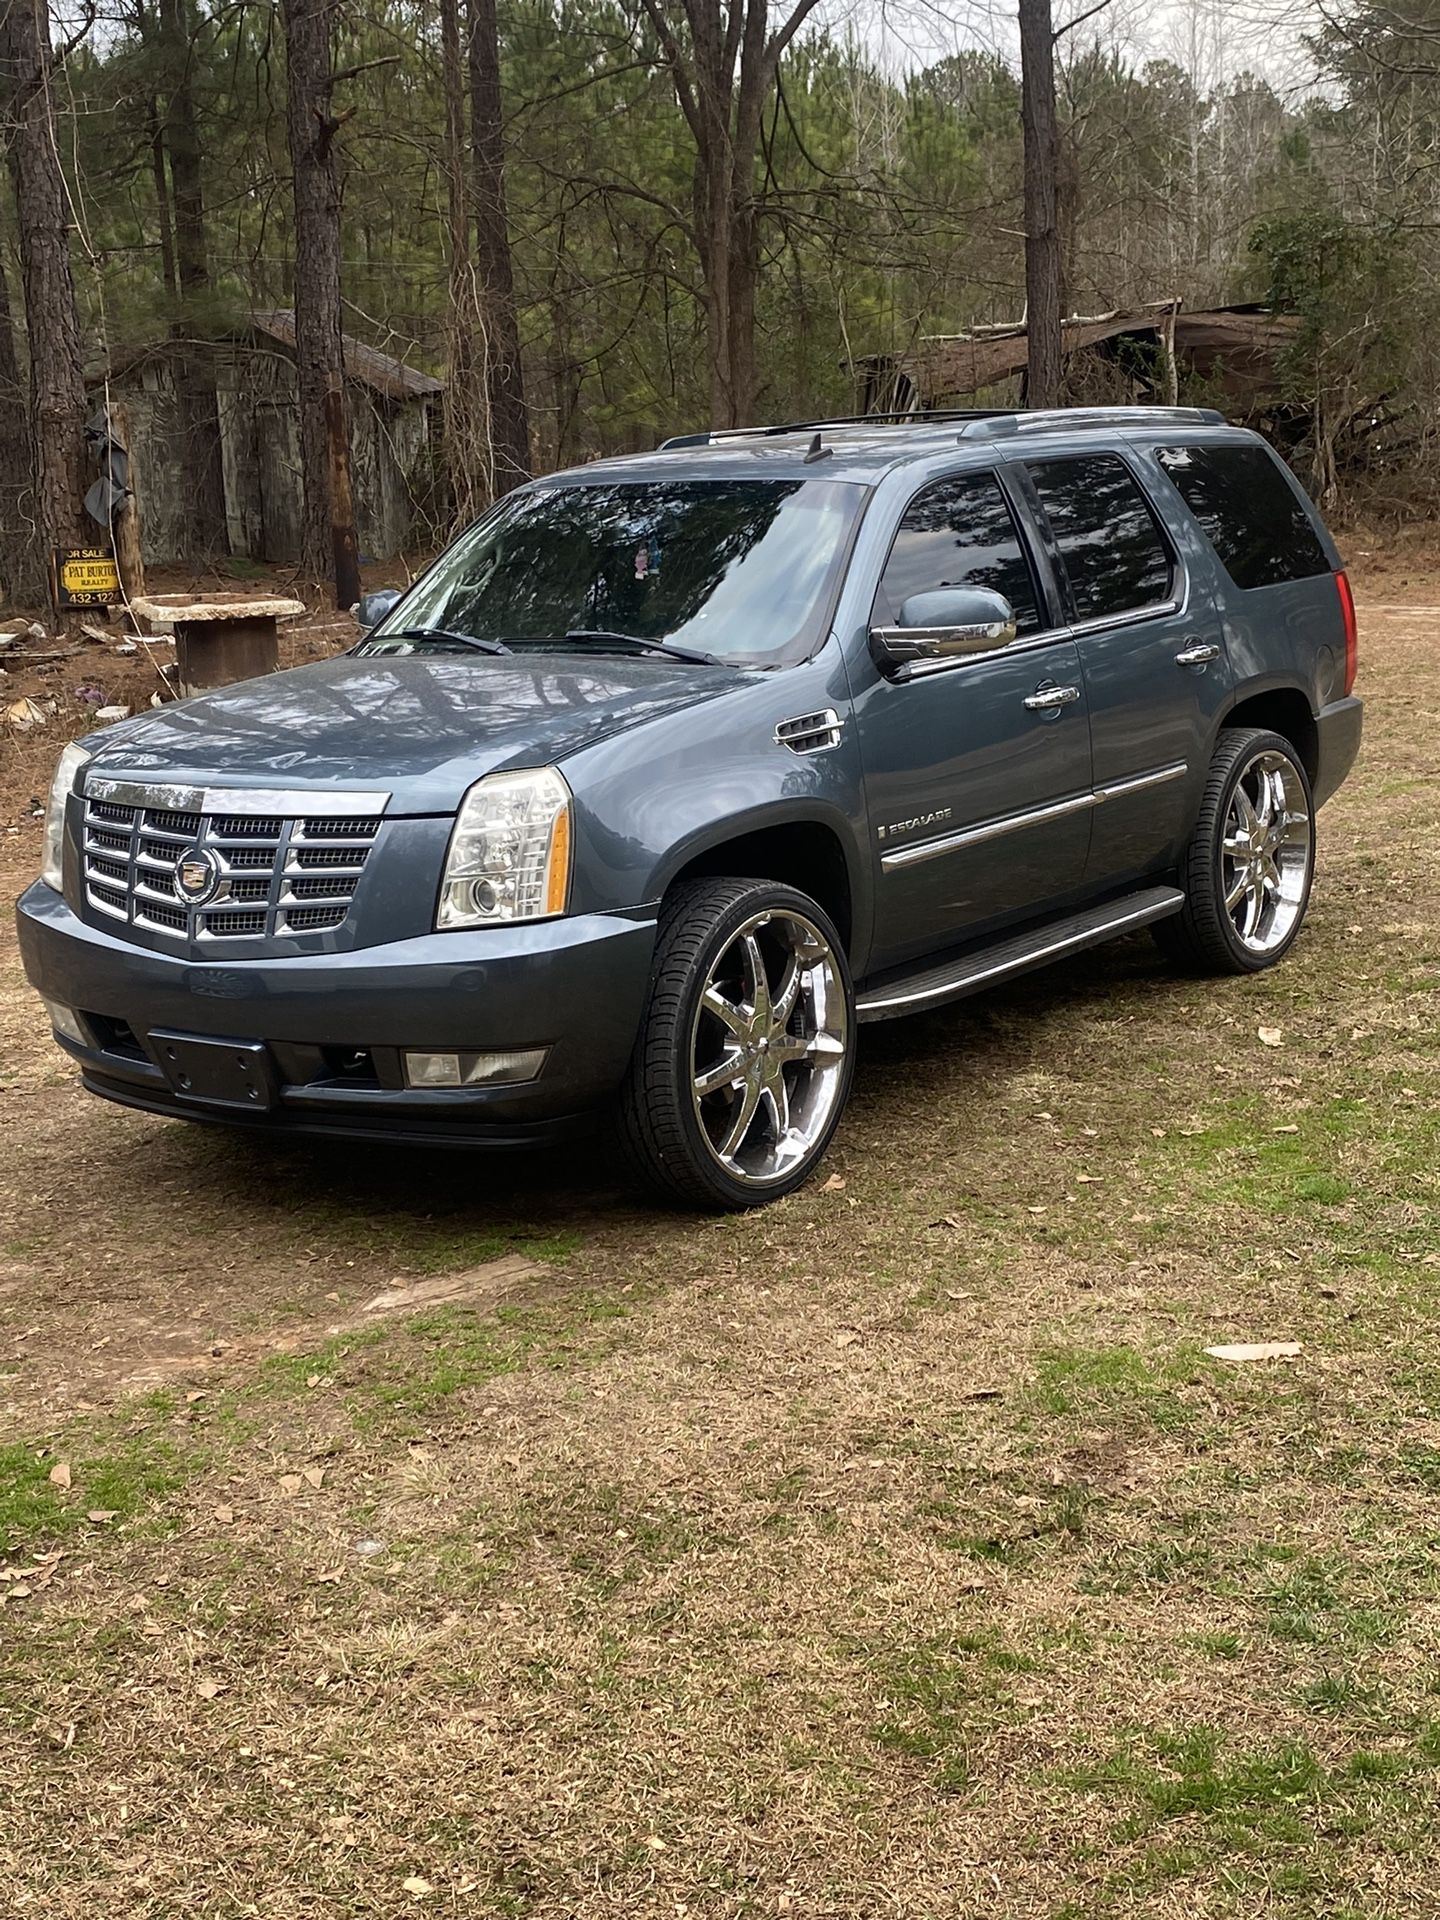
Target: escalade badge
915	824
197	874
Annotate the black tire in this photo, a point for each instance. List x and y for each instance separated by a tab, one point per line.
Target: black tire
661	1131
1203	936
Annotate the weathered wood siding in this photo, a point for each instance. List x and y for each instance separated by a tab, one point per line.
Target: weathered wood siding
260	454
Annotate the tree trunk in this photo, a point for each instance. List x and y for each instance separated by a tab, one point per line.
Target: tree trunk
205	524
319	349
469	456
344	548
1042	228
125	527
15	541
162	200
723	78
504	376
57	385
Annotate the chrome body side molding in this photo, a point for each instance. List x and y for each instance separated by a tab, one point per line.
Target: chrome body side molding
1030	817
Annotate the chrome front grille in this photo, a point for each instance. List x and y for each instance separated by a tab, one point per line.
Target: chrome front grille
269	866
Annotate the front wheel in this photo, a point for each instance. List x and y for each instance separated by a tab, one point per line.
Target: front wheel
744	1061
1248	868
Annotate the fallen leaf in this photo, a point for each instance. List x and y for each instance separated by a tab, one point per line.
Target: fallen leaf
1257	1350
835	1184
1270	1036
329	1577
1291	1129
846	1337
315	1475
414	1884
24	714
208	1689
1089	1179
655	1843
983	1393
101	1514
225	1515
60	1476
290	1483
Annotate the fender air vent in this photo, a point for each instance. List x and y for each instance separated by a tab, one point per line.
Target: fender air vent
811	732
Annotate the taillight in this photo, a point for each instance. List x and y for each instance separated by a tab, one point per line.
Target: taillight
1347	614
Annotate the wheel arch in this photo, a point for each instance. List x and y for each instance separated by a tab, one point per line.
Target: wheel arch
808	851
1282	708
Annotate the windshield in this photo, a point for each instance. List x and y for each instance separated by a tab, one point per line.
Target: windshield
740	570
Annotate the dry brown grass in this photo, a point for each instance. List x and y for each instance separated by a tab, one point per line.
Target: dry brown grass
893	1552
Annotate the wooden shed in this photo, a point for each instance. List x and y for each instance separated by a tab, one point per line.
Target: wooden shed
394	413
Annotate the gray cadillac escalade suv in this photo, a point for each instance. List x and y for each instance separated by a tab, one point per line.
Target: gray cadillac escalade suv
673	770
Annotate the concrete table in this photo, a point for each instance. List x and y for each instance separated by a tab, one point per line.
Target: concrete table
220	638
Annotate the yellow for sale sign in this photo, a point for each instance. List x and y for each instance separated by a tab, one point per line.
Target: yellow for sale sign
86	577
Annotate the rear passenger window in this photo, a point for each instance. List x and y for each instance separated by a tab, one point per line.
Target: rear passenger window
960	533
1113	550
1250	512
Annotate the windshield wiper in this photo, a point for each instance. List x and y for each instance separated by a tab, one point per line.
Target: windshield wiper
445	633
604	636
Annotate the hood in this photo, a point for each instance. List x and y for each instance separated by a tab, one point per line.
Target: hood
422	729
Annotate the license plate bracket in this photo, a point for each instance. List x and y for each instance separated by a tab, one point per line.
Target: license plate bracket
219	1073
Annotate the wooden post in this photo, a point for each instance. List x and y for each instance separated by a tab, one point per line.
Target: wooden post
342	508
125	524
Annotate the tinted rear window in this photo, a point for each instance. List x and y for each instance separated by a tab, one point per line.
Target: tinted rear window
1250	512
1114	555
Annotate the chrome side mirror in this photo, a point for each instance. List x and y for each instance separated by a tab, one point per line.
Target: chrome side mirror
944	625
375	607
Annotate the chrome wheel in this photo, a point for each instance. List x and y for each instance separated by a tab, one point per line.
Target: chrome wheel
768	1047
1265	852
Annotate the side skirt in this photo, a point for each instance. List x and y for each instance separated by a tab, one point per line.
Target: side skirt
933	985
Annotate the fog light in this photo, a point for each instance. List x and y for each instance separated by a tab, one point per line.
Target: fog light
472	1069
66	1024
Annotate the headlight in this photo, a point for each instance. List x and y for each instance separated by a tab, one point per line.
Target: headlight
71	760
509	856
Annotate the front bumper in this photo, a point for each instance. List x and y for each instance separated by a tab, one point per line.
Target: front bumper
334	1024
1337	742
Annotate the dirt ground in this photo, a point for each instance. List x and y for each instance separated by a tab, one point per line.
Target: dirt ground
385	1532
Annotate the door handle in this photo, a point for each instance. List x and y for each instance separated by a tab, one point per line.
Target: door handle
1048	699
1199	655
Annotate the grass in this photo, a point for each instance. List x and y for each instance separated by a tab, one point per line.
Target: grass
897	1550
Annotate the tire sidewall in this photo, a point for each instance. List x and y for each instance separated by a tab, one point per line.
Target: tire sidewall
1246	751
766	895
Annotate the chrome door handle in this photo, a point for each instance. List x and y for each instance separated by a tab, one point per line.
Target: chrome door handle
1049	698
1200	655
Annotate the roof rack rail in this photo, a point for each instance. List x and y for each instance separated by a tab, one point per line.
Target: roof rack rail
921	417
1011	421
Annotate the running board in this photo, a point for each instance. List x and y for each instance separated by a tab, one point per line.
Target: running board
911	993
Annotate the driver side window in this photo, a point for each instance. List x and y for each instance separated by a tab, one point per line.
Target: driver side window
960	533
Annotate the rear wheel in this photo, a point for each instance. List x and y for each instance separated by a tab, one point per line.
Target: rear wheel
1251	859
744	1061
